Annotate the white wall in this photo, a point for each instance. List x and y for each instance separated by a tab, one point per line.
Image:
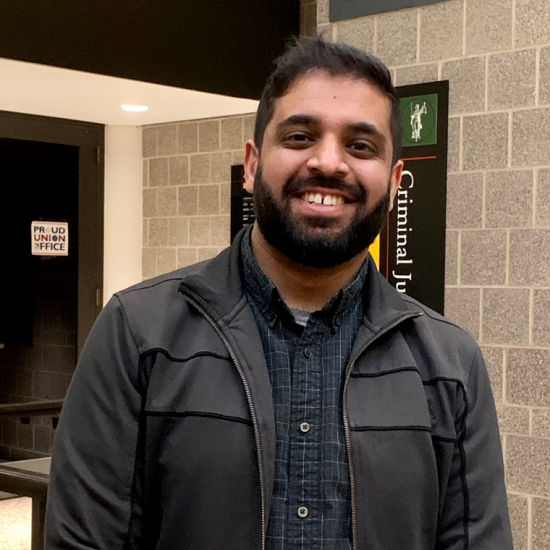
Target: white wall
123	208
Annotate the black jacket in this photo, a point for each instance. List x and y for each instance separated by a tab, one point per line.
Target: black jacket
167	439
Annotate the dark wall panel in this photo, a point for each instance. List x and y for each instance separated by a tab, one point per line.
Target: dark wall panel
347	9
224	47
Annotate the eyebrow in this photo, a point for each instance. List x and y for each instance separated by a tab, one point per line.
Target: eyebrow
298	119
366	128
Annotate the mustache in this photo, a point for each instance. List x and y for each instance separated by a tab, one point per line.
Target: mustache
297	186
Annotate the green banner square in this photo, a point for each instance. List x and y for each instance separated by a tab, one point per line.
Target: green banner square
419	118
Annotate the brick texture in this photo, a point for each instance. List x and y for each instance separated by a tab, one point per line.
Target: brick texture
186	198
44	370
496	54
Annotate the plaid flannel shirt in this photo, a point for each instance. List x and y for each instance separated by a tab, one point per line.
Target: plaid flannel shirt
311	503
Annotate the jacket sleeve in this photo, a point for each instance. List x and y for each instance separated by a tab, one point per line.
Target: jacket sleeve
95	444
475	513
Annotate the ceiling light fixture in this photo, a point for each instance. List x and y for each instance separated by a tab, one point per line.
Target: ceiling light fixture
134	108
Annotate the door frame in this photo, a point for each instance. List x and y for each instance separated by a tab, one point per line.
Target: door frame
90	140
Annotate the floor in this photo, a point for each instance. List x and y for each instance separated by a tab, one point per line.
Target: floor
15	523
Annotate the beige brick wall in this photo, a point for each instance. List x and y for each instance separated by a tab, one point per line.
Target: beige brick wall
186	189
496	54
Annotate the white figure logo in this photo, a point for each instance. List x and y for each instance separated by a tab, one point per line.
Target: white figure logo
416	120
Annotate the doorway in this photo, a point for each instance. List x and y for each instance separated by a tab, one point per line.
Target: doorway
51	170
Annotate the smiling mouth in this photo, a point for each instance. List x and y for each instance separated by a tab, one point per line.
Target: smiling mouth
324	199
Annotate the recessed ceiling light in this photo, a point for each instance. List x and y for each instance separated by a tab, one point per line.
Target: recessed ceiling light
134	108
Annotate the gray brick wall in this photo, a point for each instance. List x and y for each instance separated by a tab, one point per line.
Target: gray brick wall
44	370
186	189
496	54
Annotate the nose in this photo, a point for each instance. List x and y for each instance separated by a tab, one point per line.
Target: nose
328	159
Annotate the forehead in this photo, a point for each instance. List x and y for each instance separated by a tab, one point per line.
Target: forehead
334	99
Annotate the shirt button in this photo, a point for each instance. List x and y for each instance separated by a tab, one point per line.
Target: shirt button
304	426
307	353
303	511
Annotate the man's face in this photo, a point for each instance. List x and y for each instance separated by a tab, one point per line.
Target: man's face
323	181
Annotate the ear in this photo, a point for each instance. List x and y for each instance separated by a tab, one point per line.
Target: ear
251	158
395	180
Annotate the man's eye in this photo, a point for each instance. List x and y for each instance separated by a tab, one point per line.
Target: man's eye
297	139
361	146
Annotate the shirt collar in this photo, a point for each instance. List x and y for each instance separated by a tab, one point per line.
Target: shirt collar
268	300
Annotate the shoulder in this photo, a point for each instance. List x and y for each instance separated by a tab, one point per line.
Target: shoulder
140	293
436	320
452	351
153	309
158	292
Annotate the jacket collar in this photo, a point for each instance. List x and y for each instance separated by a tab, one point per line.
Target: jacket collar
216	285
382	304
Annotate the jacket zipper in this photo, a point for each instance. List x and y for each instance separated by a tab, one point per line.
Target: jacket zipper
249	400
346	418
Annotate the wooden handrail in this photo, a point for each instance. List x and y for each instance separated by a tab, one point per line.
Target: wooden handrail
22	482
50	407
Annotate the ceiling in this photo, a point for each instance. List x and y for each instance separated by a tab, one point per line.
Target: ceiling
210	46
50	91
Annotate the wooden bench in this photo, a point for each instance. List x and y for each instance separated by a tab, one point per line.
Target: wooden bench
29	478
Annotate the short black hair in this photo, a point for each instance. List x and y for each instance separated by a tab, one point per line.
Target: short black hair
309	54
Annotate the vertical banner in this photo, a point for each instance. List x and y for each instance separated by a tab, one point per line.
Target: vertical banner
412	245
242	202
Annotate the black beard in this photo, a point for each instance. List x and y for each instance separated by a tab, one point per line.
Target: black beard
308	242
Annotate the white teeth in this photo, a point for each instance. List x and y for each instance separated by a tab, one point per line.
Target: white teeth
327	200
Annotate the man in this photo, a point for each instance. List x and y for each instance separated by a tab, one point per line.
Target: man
283	395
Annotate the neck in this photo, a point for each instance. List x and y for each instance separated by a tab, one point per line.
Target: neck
301	286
